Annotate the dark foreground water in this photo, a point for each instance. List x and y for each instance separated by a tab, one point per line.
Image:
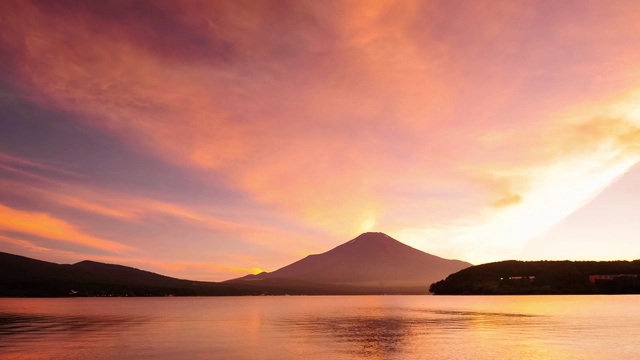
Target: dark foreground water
332	327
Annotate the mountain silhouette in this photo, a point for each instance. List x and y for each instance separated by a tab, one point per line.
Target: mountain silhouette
370	260
372	263
25	277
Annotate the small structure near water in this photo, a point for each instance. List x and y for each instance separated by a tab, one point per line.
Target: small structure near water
529	277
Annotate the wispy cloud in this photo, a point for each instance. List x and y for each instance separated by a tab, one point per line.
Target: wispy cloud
46	226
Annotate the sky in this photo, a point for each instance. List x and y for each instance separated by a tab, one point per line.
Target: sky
211	139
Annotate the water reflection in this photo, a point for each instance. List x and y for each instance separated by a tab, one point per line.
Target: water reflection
35	326
450	319
336	328
366	336
382	335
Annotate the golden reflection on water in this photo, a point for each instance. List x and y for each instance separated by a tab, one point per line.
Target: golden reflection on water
383	333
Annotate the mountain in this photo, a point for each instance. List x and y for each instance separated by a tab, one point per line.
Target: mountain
543	278
25	277
372	263
373	260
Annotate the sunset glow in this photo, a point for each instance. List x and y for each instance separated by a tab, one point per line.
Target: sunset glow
208	140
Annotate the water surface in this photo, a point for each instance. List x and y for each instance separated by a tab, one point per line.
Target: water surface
331	327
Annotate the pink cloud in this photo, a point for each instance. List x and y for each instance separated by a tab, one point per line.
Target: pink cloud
347	118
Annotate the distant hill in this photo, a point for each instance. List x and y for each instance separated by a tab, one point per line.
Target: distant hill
372	260
24	277
543	277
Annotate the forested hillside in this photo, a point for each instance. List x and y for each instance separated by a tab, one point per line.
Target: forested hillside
543	277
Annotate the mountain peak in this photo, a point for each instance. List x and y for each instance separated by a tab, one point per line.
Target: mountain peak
370	258
376	241
372	236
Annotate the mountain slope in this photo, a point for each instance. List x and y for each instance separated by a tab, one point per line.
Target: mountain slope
21	276
371	259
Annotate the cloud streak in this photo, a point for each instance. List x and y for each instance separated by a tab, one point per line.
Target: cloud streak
43	225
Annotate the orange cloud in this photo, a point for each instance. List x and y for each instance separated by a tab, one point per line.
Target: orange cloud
508	200
205	268
137	210
43	225
141	97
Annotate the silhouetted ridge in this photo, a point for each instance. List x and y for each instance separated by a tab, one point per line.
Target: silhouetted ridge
25	277
372	263
543	277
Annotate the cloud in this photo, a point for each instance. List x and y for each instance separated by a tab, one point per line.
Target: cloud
508	200
33	169
144	221
326	118
25	244
385	115
43	225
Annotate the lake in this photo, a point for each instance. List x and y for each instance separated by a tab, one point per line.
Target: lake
322	327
